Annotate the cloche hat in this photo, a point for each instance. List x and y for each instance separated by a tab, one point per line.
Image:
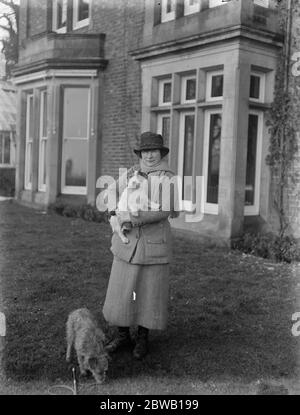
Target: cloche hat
151	141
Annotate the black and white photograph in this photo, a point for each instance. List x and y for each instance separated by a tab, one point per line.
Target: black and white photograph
149	200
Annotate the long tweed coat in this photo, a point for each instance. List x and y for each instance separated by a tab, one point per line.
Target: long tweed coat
138	288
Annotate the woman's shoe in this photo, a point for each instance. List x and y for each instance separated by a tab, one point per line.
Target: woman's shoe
122	340
141	348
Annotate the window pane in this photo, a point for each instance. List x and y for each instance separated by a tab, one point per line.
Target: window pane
190	89
217	86
170	5
44	143
76	162
166	129
44	112
76	112
28	170
31	126
254	86
188	152
1	147
61	13
251	159
6	149
214	158
167	87
30	162
83	9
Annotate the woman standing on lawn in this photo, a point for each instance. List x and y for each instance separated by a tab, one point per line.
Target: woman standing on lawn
138	289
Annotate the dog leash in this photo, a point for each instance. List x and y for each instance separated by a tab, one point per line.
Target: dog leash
75	389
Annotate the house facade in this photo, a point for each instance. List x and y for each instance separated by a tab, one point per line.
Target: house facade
92	75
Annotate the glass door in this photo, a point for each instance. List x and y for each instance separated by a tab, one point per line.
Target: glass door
76	113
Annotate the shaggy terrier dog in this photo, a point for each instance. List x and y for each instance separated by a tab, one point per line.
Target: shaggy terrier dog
88	340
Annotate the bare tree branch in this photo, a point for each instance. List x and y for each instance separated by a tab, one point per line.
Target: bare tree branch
4	27
10	23
10	3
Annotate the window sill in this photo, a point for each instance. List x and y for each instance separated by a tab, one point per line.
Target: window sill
259	105
80	24
165	108
184	106
62	30
168	18
210	104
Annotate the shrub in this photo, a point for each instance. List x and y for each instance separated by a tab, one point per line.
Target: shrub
86	212
7	182
268	246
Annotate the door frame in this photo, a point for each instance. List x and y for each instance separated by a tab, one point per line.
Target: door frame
75	190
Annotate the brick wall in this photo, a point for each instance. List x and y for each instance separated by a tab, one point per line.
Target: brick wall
122	21
37	17
292	195
23	22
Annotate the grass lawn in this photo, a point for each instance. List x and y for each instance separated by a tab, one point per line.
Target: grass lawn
230	313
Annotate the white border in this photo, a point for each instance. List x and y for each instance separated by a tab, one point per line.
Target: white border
209	76
190	9
76	190
54	17
184	80
253	210
77	24
166	17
